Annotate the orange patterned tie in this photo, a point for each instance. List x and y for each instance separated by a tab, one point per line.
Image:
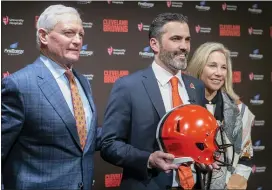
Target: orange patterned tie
78	109
185	173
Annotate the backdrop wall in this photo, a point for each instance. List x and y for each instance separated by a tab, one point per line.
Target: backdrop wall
116	44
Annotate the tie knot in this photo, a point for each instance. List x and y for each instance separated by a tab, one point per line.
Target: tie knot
69	75
174	81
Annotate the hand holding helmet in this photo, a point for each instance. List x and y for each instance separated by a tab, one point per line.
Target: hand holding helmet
189	133
162	161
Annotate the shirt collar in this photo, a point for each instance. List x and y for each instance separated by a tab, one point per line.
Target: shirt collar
56	70
162	75
217	99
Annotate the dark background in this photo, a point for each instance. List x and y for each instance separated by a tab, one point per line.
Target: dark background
21	30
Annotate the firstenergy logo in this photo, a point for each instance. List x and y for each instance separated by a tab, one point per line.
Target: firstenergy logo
84	52
202	6
13	50
256	100
145	4
255	9
146	53
258	146
84	2
256	55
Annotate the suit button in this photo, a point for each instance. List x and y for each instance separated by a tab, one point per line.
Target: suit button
80	185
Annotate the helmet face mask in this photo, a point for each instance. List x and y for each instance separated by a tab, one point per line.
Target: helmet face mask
223	147
190	131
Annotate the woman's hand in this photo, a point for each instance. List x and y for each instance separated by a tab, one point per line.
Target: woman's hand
237	181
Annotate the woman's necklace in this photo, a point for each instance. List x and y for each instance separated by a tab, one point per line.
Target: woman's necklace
211	107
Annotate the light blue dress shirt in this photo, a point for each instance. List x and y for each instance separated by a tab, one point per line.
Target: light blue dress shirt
63	82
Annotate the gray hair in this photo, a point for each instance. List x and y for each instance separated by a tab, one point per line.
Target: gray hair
50	17
200	58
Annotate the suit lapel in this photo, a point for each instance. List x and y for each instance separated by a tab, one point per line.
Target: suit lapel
53	94
190	88
153	91
87	90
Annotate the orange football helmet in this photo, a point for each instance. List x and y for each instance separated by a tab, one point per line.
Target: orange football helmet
190	131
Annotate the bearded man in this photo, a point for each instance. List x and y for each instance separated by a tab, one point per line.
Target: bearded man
138	101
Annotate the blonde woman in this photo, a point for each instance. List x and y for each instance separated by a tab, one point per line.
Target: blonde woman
212	64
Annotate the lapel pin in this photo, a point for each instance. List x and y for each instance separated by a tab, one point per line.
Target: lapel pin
192	86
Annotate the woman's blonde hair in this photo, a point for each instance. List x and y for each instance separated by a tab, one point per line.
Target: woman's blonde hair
200	58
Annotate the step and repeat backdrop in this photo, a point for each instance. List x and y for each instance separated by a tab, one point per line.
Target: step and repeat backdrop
116	44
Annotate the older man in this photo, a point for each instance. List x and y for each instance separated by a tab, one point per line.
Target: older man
49	120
